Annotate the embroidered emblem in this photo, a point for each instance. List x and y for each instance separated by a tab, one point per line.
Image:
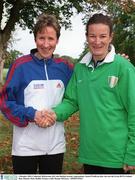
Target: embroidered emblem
112	80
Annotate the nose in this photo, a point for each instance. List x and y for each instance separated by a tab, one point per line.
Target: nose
97	40
46	43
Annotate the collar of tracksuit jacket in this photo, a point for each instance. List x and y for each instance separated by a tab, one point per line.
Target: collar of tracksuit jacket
109	58
40	61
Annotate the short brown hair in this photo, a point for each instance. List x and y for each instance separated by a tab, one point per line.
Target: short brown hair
100	18
45	20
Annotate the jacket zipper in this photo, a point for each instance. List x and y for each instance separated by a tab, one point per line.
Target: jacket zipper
47	78
45	68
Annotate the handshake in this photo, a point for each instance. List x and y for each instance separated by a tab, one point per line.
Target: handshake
45	118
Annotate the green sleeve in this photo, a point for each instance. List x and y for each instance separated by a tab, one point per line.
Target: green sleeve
127	93
69	104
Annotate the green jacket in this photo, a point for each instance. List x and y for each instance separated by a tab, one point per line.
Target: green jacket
105	98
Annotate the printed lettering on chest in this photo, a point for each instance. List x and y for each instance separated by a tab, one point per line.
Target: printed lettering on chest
38	86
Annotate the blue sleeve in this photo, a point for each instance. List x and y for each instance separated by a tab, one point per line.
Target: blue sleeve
10	106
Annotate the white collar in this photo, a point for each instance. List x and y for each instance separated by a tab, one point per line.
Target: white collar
109	57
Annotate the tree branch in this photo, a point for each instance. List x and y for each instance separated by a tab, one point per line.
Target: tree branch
14	17
1	12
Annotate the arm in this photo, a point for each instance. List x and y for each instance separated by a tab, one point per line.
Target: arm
69	104
127	93
10	104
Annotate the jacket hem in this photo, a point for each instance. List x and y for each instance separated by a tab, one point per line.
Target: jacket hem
102	164
37	153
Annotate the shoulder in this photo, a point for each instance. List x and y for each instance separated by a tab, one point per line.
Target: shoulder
14	68
66	62
123	64
22	60
120	60
78	68
80	65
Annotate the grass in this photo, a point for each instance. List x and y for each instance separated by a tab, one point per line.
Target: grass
70	165
5	70
5	145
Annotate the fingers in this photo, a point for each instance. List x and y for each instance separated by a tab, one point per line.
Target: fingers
125	168
38	115
45	118
43	123
50	115
128	168
125	56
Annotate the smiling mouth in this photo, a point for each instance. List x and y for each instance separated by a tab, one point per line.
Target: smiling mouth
97	47
45	51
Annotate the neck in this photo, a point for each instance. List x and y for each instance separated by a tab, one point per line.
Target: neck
97	59
38	55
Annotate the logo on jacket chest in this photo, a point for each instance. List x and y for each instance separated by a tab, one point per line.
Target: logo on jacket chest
58	85
38	86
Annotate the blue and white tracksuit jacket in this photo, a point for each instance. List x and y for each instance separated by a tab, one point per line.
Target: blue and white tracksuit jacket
31	85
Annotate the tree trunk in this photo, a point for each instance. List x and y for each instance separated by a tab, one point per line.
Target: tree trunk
3	49
1	64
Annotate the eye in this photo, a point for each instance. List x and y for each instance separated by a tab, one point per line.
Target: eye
51	38
103	36
41	38
91	35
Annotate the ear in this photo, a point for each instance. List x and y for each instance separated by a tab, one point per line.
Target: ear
86	37
111	37
35	39
57	41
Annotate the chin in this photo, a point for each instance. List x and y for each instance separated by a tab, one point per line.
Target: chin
46	57
97	54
